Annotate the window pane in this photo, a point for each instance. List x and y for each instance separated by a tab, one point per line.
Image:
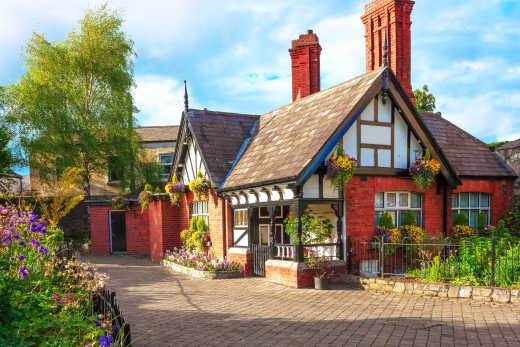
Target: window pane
473	199
486	212
473	218
455	200
380	200
484	200
401	215
278	211
415	200
418	218
403	199
264	212
464	199
390	200
378	217
393	214
466	212
204	207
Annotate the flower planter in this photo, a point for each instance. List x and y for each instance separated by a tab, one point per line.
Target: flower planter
321	283
174	267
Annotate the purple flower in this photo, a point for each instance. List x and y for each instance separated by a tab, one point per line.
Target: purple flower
11	258
21	257
98	324
34	243
23	271
22	243
105	341
6	240
44	250
16	236
115	330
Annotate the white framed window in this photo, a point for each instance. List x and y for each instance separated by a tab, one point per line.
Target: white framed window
166	161
240	217
471	204
397	204
200	209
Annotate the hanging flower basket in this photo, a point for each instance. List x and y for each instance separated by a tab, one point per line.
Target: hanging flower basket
340	168
120	202
200	187
145	196
174	190
424	170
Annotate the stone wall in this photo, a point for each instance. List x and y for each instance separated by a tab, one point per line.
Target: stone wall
502	295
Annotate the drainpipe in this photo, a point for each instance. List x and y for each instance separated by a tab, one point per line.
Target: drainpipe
224	231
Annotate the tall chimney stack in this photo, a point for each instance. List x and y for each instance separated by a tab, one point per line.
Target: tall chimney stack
305	65
392	17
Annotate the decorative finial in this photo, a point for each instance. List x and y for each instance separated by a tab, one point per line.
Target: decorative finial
385	49
185	97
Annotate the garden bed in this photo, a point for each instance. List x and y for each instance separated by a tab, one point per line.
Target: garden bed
200	265
173	267
414	287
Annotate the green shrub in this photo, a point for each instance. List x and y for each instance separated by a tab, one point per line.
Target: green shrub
202	226
193	223
409	218
461	219
482	222
386	221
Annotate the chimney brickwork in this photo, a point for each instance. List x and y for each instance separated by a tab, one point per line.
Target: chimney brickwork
305	65
392	16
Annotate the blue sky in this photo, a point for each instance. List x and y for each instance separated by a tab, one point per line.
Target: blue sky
234	53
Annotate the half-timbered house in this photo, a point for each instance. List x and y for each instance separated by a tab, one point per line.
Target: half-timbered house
264	170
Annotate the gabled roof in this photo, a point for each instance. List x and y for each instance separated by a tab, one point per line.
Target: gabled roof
219	137
467	155
287	139
510	145
166	133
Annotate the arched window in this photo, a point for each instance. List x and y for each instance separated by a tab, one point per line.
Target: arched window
471	204
397	204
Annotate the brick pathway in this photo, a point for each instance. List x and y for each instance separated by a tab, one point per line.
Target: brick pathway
167	309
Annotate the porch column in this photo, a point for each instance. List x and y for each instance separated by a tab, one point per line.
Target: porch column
250	225
272	230
299	208
338	209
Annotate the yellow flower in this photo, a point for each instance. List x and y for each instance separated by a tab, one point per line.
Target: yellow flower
396	236
462	231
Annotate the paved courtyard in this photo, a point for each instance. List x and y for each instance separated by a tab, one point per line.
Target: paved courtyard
167	309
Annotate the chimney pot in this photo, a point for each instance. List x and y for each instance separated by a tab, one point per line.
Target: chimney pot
305	65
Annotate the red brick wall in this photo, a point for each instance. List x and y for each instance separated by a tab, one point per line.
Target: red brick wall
394	16
99	229
137	231
290	274
163	227
360	204
305	65
501	192
245	262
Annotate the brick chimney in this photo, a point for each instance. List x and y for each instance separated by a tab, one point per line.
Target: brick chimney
305	65
392	16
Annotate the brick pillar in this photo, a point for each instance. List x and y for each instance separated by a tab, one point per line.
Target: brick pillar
392	16
305	65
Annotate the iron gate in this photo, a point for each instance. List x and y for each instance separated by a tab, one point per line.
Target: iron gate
260	256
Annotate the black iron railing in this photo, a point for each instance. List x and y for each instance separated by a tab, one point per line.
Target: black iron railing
486	262
102	302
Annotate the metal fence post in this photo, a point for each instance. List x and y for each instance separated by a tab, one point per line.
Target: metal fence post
382	257
349	255
493	259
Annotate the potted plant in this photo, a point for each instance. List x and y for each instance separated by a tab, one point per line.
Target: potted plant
200	187
340	168
174	190
318	266
424	170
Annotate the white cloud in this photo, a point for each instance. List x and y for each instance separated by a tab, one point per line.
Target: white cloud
159	99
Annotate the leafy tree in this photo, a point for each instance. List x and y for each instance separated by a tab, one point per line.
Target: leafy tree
73	106
424	100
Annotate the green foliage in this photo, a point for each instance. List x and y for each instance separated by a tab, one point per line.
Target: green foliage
496	144
409	218
315	229
436	270
482	222
513	217
73	106
193	223
202	226
147	172
386	221
424	100
461	219
196	236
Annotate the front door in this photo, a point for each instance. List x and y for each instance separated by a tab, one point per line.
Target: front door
117	231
